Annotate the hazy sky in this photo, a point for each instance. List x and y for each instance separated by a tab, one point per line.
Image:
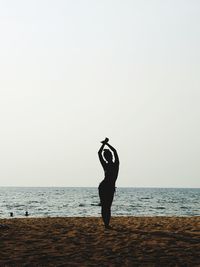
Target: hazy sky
75	71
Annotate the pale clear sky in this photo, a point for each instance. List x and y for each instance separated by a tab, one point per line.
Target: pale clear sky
75	71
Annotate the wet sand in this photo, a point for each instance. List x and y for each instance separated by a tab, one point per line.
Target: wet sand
134	241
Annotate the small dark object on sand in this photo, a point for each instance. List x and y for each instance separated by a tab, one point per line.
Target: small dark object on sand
26	213
11	214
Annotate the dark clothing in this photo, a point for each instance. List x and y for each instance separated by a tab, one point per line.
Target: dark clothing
107	190
107	186
106	193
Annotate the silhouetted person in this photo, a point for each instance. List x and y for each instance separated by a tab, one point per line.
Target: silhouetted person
11	214
26	214
107	186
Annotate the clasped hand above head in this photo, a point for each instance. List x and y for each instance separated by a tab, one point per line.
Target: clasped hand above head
105	141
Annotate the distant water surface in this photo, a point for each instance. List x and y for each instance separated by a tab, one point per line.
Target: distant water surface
83	201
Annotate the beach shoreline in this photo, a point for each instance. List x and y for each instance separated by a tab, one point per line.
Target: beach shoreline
83	241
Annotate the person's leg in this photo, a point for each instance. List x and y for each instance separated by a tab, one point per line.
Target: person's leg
102	200
106	209
104	214
106	198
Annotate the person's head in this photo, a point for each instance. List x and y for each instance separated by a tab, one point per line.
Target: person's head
107	155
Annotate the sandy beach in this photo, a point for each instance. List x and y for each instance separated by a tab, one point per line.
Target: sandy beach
133	241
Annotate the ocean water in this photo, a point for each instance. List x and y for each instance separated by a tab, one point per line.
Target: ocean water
73	201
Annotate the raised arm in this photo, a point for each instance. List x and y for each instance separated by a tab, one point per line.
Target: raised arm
114	152
103	162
